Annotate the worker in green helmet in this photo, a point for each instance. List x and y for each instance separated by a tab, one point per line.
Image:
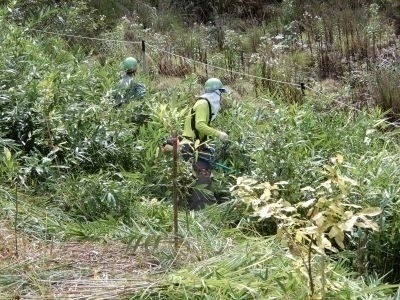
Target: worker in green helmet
127	88
197	131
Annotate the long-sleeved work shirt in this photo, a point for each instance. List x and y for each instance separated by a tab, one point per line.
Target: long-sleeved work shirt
201	113
127	89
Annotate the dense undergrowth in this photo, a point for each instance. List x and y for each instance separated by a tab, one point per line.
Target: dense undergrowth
73	168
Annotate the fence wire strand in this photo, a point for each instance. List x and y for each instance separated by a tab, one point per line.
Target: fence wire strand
154	48
84	37
220	68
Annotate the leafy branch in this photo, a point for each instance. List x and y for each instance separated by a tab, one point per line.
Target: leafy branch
313	227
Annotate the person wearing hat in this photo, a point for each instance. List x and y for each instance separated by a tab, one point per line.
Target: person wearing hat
127	88
197	131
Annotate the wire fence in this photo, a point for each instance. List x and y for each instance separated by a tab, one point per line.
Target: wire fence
158	54
156	60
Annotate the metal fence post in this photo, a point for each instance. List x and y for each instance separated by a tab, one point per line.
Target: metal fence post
144	68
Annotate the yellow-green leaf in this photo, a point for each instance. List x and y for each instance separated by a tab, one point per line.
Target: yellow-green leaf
310	230
288	209
325	243
339	238
319	219
349	180
335	231
371	211
7	153
349	224
327	184
308	189
264	185
368	224
282	182
351	205
299	236
306	204
266	195
348	214
264	212
339	158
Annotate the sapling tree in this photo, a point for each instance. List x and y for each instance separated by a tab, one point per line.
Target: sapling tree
374	26
314	227
9	170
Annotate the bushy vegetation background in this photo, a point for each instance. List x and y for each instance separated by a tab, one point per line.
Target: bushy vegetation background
74	168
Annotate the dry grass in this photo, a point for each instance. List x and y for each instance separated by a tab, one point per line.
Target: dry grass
71	270
174	67
166	83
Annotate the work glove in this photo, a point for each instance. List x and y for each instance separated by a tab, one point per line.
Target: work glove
223	136
167	148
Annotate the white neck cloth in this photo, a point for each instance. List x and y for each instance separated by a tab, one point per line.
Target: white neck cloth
215	101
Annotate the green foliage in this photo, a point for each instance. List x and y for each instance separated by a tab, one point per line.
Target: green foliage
69	16
8	166
255	269
98	196
84	170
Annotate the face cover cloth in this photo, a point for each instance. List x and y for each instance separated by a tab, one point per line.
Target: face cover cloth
215	101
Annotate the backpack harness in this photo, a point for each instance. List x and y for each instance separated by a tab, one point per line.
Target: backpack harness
193	121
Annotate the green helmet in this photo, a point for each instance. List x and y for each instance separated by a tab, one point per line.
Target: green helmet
130	64
214	84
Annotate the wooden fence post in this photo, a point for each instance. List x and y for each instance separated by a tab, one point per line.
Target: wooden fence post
175	186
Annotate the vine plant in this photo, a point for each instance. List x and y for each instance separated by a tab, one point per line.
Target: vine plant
315	226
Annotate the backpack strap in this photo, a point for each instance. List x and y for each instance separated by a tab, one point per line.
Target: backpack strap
193	121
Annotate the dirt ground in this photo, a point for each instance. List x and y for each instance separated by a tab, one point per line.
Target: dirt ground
33	269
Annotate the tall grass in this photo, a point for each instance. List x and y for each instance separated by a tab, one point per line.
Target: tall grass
84	171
